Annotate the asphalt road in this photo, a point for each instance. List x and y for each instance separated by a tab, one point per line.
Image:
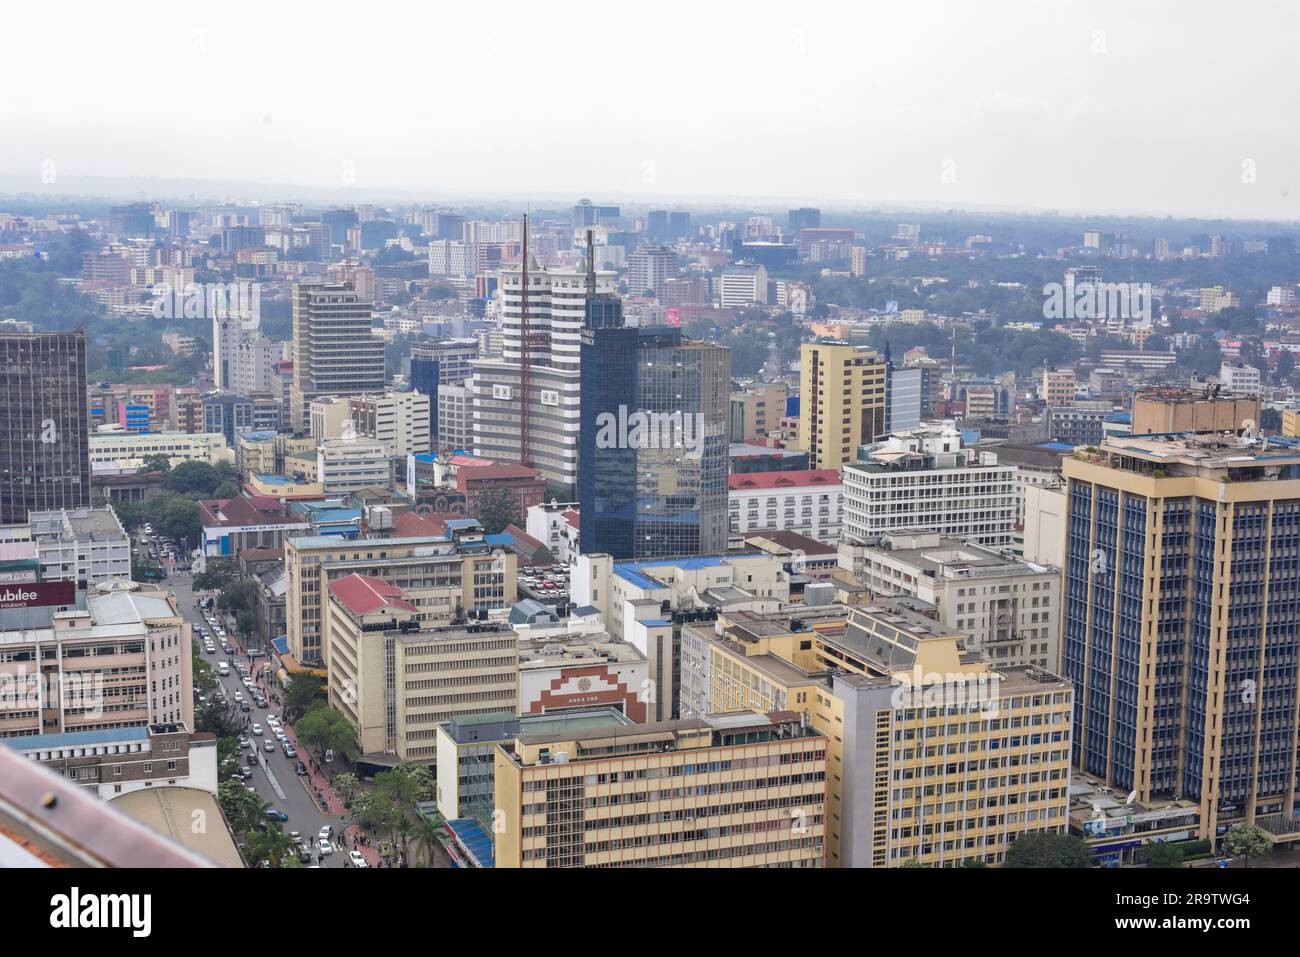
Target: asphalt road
274	777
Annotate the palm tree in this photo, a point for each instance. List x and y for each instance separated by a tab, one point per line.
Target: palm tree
427	839
271	845
404	828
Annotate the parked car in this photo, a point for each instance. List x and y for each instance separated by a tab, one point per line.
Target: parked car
300	769
289	750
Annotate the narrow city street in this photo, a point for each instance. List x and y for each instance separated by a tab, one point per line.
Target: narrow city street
275	778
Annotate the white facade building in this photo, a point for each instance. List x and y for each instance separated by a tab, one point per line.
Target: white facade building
84	545
112	444
455	417
1010	607
808	502
924	478
556	309
349	464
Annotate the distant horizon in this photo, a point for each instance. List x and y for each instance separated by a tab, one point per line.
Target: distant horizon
191	190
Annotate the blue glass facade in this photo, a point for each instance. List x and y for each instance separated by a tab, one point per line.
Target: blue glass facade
1226	624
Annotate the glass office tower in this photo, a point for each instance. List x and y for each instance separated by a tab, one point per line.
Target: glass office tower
652	468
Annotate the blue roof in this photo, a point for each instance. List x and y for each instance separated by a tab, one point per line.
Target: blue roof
501	539
1060	446
281	645
270	478
634	571
427	457
473	839
76	739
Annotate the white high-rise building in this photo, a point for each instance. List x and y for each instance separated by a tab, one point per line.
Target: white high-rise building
455	417
553	416
243	360
742	286
924	479
334	351
649	267
400	420
556	307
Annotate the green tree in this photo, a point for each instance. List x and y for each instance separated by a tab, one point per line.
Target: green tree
220	718
327	729
243	809
218	573
1162	855
1243	840
305	691
346	786
497	508
271	845
192	478
427	839
157	463
1046	849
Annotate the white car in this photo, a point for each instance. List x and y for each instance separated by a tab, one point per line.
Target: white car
326	832
257	730
356	860
326	847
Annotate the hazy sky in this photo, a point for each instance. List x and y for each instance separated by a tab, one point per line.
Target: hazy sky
1188	107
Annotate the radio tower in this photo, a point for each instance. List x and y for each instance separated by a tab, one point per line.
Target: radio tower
527	341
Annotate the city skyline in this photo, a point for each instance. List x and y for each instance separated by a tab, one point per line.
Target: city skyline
1091	109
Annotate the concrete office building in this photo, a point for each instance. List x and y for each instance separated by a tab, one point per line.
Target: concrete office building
113	445
84	545
446	579
398	420
838	381
44	457
114	761
350	463
689	793
1011	609
120	657
395	680
1180	576
807	502
879	681
926	479
334	351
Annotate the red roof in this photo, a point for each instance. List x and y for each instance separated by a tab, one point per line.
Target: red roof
361	594
746	481
572	518
496	472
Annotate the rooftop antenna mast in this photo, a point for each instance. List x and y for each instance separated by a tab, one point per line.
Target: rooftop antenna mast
591	267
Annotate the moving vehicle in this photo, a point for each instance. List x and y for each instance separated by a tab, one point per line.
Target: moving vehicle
223	669
268	745
326	847
257	730
355	859
326	832
275	814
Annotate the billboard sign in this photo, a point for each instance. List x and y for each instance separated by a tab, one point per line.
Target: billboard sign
37	594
